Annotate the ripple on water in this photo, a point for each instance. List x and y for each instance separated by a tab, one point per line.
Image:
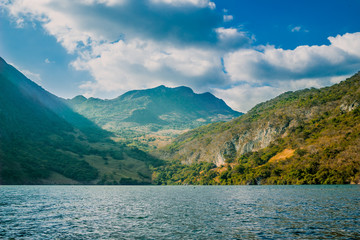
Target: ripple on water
179	212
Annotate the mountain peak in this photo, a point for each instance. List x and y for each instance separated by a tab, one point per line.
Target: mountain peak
79	97
184	89
160	109
163	88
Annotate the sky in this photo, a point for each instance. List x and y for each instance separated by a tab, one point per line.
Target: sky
244	52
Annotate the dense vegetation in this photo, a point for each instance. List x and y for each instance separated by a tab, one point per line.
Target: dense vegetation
43	141
320	144
151	117
310	136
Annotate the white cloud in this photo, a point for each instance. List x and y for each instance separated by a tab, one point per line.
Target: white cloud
228	18
128	44
158	57
293	28
20	22
296	29
199	3
33	76
244	97
77	24
349	43
268	71
141	64
117	58
47	61
212	5
232	37
268	64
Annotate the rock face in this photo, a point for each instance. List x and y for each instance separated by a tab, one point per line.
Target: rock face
219	143
231	144
349	107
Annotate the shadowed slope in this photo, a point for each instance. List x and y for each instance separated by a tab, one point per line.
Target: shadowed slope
43	141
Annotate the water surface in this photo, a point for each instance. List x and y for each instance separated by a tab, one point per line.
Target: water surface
180	212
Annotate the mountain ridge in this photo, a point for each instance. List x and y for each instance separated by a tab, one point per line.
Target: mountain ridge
154	91
310	136
159	112
42	141
318	128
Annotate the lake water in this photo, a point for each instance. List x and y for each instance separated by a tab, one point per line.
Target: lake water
180	212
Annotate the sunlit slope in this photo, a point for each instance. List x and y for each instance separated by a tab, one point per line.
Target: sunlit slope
310	136
154	113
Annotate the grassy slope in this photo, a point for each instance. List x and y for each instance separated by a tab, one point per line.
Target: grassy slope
317	142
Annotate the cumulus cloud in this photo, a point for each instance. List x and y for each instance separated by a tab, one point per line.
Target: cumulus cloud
139	63
266	71
267	63
128	44
245	96
78	23
137	44
230	38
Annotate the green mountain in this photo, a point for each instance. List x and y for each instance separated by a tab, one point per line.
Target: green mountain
43	141
310	136
153	116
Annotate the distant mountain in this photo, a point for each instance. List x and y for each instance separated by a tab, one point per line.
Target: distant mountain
310	136
159	111
42	140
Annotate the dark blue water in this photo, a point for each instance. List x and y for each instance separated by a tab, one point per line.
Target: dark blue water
180	212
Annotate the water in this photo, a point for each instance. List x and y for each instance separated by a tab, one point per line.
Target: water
180	212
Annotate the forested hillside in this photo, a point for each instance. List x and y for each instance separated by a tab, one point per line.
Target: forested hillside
43	141
310	136
153	117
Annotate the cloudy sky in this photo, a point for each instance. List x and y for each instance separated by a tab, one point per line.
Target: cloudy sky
244	52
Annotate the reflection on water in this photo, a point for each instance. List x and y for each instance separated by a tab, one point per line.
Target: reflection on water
180	212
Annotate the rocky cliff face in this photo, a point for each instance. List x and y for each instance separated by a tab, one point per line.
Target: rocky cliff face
248	141
230	144
221	143
305	137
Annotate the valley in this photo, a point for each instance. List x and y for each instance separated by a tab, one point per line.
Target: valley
175	136
151	118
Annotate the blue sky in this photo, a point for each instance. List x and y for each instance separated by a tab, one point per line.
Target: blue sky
244	52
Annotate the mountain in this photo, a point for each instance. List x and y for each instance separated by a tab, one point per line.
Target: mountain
42	140
310	136
154	115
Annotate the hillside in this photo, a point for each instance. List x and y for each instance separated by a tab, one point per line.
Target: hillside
43	141
153	116
310	136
